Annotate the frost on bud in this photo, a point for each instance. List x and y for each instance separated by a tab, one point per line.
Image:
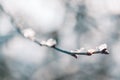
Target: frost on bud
103	46
77	50
103	49
48	43
91	51
29	33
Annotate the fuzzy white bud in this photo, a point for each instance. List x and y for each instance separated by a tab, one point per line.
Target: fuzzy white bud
48	43
103	46
29	33
91	50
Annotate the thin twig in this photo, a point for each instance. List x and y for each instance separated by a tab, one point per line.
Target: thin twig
73	53
51	43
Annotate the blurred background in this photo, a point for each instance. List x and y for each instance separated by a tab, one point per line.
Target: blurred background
74	24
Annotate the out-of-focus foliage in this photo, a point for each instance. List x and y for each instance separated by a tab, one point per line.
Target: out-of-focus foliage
74	24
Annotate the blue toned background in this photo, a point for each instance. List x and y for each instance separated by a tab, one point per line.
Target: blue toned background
74	24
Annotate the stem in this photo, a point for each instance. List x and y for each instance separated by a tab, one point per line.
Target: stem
71	53
104	51
64	51
37	42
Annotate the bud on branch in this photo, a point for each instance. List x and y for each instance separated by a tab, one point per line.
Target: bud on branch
48	43
29	33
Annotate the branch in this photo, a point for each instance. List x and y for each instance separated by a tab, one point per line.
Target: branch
51	43
30	34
